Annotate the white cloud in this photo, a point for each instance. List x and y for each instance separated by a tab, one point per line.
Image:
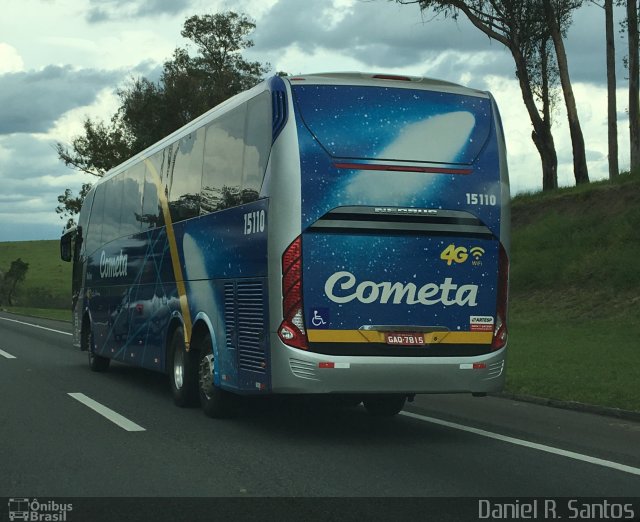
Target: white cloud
10	59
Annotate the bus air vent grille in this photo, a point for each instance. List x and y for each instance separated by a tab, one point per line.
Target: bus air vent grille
230	315
250	328
303	369
496	369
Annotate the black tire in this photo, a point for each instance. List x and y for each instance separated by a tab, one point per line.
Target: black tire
183	371
97	363
384	405
215	402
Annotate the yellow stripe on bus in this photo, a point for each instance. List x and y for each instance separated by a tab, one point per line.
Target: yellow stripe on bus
173	251
372	336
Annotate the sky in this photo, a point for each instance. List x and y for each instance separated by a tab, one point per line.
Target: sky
62	61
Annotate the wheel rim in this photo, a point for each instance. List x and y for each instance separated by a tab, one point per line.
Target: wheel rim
178	369
206	375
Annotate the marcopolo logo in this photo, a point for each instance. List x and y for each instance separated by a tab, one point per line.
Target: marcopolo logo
342	287
34	510
115	266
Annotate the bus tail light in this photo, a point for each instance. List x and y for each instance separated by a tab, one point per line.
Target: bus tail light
292	331
500	328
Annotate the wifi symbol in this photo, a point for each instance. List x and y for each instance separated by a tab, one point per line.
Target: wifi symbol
477	252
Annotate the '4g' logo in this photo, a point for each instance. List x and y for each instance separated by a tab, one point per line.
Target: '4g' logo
451	254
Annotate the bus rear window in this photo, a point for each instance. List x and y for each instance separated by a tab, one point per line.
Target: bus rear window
394	124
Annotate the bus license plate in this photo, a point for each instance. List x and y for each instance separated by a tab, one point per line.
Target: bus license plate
405	339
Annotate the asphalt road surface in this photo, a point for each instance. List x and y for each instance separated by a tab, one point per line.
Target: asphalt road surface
53	442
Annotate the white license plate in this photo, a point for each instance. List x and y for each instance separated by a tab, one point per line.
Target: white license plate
404	339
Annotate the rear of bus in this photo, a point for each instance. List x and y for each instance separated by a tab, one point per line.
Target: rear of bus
389	234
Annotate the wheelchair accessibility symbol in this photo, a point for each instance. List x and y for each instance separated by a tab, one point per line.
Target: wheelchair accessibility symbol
319	317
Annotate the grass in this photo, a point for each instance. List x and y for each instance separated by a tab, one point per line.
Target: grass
575	294
48	279
44	313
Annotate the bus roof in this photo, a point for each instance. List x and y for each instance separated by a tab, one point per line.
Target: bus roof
383	79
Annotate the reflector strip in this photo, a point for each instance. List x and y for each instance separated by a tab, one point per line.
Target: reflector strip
401	168
372	336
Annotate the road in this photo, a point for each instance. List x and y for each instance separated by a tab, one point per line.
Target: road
52	444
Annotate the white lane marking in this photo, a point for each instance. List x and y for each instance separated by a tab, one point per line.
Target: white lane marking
7	355
34	325
526	443
108	413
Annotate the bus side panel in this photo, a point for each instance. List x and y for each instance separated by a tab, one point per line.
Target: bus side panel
131	296
224	263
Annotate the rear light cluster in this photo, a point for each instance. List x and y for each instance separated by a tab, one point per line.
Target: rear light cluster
292	331
500	329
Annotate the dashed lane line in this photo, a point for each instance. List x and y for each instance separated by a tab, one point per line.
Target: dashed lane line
108	413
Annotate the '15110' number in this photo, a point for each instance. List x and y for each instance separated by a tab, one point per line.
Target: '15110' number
254	222
481	199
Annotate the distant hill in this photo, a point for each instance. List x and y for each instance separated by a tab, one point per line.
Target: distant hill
48	280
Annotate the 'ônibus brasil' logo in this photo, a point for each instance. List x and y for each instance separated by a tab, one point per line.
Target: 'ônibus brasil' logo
115	266
341	287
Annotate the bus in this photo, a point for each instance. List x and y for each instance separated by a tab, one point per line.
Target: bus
338	233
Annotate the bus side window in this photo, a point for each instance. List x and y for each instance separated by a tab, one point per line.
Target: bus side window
223	157
257	145
94	234
83	223
130	222
185	176
152	215
112	209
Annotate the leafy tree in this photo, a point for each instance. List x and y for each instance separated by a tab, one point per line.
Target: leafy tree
70	205
191	83
16	274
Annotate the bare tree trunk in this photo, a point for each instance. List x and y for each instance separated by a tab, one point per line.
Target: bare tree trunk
580	169
541	135
634	110
612	111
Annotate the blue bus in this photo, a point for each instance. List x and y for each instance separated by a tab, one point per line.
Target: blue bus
341	233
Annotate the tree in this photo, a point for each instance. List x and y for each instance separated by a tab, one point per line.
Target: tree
555	11
612	111
70	205
16	274
520	26
190	84
634	68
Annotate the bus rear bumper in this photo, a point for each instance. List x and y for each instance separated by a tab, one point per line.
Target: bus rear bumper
300	372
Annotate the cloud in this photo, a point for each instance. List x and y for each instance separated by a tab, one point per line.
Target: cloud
10	59
109	10
32	178
32	101
363	29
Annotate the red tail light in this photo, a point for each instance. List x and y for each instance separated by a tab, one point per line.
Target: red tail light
500	328
292	331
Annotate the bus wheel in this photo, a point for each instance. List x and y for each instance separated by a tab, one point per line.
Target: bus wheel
183	377
97	363
384	405
215	402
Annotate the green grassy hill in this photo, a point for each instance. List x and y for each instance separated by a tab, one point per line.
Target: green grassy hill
575	292
48	280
